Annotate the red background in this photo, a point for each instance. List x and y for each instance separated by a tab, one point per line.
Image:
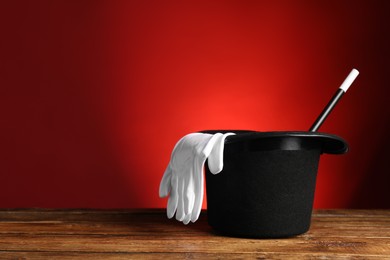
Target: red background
94	94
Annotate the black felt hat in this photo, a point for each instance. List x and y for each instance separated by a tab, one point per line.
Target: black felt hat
266	188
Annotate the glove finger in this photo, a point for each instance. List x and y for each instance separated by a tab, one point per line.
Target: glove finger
187	219
189	194
180	205
191	202
215	160
173	198
210	144
198	189
165	184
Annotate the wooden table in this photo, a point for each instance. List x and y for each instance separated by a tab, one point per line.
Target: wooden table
148	234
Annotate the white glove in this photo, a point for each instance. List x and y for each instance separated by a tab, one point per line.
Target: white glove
183	178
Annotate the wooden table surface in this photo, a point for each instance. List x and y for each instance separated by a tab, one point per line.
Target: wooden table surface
148	234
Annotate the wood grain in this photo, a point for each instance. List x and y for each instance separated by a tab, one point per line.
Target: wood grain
148	234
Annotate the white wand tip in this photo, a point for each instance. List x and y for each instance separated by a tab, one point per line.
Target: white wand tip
349	80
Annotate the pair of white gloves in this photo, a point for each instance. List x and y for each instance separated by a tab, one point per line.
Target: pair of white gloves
183	178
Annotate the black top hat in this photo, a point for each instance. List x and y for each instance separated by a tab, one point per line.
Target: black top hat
266	188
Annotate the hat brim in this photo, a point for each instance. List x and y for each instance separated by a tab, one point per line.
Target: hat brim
330	144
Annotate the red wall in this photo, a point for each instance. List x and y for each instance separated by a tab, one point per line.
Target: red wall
94	94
